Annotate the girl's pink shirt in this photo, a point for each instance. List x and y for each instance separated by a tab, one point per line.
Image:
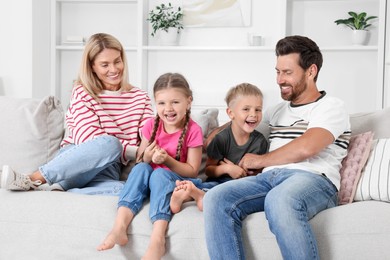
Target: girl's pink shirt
169	142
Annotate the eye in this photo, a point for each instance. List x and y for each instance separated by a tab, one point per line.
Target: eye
259	110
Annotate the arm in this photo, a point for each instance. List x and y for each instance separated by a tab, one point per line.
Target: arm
190	168
309	144
215	168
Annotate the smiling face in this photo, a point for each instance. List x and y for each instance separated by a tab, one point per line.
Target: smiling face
172	105
245	113
291	78
108	67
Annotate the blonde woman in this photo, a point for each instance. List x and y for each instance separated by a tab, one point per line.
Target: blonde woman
103	122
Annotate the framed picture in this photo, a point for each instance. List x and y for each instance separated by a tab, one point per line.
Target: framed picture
217	13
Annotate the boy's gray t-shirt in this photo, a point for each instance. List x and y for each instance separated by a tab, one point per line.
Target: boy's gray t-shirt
224	145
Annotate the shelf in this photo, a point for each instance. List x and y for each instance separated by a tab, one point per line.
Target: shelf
81	47
98	1
208	48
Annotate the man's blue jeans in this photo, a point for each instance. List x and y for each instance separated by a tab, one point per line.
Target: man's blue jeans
92	167
289	198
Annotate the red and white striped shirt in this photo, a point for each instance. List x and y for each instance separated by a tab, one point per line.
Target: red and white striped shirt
118	113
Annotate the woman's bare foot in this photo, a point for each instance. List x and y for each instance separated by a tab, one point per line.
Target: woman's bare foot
185	191
113	238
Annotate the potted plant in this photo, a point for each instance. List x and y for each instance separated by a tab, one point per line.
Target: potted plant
167	21
358	22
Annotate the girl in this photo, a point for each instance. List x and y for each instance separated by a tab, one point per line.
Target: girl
170	150
103	122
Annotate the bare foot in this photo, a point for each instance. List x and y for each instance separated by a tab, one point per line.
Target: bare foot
113	238
156	249
186	191
179	196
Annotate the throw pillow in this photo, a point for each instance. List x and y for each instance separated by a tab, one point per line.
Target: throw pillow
375	181
207	119
352	165
31	131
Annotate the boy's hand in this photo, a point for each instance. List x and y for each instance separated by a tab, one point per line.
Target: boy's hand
233	170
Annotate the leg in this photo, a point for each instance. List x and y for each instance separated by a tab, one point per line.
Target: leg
225	207
298	196
156	248
118	234
186	191
130	201
77	165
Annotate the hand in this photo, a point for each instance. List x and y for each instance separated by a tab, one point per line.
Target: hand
233	170
149	151
159	155
249	162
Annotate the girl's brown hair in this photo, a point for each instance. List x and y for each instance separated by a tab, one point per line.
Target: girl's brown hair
95	45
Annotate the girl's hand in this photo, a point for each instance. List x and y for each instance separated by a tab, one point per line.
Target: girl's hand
159	156
149	151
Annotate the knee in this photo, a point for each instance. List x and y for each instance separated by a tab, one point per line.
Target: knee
162	177
110	145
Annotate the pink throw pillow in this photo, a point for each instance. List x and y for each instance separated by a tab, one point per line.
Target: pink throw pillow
352	165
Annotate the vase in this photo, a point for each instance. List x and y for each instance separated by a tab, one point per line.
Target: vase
170	37
359	37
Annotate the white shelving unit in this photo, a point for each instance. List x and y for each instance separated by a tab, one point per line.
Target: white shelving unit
214	59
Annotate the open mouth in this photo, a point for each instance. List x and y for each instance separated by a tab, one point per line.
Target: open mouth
251	123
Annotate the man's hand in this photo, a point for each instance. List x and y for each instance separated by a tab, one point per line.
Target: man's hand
250	161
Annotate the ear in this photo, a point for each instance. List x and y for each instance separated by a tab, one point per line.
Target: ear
230	113
312	71
189	103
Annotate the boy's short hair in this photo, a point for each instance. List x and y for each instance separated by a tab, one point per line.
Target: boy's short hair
243	89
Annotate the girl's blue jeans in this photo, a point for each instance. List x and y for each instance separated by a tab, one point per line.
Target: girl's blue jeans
289	198
159	184
92	167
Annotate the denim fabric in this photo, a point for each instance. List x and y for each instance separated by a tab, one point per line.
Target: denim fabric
289	198
159	184
92	167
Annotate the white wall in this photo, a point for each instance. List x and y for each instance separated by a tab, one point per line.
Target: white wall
16	48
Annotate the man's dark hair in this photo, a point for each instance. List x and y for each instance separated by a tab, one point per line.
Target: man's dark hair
309	52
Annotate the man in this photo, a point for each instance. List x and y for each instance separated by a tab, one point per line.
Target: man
308	139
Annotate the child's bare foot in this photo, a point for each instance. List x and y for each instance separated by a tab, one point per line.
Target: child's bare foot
179	196
156	249
185	191
113	238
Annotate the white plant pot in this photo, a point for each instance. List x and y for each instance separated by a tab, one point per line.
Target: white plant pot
359	37
169	38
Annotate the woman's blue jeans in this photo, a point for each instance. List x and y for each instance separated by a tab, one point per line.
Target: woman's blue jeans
289	198
92	167
159	184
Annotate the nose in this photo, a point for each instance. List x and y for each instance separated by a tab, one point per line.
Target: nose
280	79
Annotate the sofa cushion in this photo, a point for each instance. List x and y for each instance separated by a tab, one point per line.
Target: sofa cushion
30	132
376	121
374	183
352	165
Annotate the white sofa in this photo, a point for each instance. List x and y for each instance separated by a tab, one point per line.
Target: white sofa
61	225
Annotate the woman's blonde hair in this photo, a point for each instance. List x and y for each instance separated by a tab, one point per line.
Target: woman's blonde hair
95	45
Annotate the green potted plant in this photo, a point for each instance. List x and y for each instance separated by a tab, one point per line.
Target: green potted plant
166	19
358	22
